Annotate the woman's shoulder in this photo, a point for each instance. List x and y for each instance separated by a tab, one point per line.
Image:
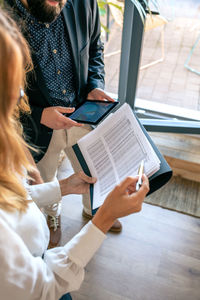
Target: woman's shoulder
9	217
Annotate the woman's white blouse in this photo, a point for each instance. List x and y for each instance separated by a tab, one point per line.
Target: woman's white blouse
27	270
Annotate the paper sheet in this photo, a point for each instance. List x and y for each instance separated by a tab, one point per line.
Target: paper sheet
114	150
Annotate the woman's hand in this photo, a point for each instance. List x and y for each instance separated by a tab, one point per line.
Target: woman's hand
121	202
35	177
34	174
78	183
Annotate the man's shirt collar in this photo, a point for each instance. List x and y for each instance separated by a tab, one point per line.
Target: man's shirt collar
27	16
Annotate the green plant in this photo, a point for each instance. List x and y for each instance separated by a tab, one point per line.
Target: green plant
139	4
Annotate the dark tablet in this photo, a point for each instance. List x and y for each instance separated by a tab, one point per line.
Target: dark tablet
92	111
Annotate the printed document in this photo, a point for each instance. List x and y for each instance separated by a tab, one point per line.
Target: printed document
114	150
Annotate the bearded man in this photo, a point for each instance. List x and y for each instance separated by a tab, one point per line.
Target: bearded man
67	53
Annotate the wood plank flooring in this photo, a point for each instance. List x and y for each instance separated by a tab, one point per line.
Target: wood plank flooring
181	151
155	257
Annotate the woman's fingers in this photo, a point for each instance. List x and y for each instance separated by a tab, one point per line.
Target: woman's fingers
128	181
144	189
86	178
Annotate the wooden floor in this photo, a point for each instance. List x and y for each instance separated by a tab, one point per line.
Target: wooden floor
155	257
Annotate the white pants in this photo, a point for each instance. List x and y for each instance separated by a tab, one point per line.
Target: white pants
48	165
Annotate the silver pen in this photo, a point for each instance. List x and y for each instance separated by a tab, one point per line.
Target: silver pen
140	173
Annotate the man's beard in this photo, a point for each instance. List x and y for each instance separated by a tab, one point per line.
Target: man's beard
43	12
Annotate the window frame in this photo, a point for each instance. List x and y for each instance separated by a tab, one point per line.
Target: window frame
132	38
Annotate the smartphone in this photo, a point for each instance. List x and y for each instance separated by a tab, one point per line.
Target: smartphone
92	111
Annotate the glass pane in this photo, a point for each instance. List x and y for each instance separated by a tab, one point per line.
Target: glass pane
112	44
163	76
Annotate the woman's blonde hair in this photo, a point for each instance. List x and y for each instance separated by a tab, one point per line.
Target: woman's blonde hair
12	29
14	62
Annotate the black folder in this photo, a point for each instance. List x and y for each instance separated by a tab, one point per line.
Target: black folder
157	180
163	175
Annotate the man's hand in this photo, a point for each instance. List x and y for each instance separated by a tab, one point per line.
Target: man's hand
121	202
78	183
53	118
99	94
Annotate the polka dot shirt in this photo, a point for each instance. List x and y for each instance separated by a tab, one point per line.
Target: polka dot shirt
51	46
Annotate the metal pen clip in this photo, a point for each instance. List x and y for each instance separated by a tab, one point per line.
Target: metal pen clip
140	173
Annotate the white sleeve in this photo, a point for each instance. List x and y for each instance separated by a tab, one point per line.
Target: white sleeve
46	193
23	276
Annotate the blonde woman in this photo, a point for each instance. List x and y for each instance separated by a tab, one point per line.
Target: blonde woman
51	192
28	270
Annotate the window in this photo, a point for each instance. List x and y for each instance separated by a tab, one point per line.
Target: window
153	115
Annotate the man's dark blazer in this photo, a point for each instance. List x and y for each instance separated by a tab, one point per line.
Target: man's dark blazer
83	25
